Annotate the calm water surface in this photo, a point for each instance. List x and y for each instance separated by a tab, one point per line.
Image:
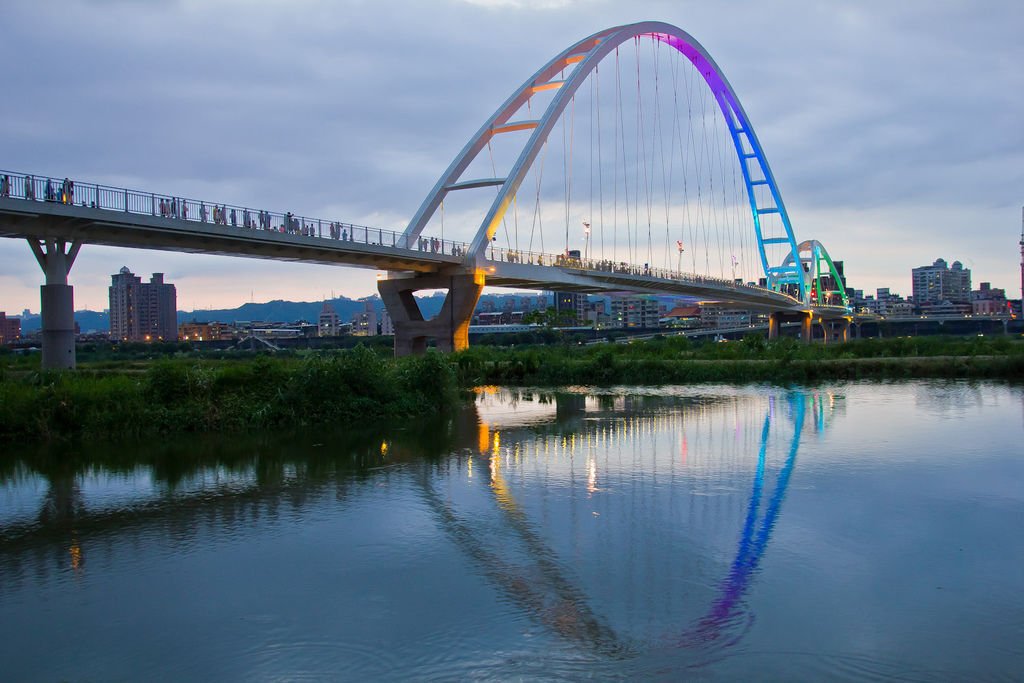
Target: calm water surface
860	531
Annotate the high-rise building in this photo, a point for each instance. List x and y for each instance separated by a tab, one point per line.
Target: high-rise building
328	324
10	329
364	323
828	282
572	302
634	312
387	325
142	311
937	283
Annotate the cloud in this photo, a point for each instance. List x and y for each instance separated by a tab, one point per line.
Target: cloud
904	114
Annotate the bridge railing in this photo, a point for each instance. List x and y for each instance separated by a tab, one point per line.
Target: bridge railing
65	191
507	255
91	195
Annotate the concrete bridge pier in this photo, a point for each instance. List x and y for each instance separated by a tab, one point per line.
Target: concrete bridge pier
807	327
844	330
449	329
55	257
806	320
774	323
835	330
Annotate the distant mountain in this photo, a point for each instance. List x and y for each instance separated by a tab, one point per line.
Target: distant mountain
92	321
88	321
292	311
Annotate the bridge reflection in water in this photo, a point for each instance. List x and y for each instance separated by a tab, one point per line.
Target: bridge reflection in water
616	524
551	594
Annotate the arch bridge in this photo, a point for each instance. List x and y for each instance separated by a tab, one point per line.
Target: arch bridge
652	154
805	282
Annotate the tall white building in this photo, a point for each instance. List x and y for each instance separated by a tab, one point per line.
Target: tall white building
142	311
937	283
328	324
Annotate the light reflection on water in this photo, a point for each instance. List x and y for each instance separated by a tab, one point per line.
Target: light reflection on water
854	531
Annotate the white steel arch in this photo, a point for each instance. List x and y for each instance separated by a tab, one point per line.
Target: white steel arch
587	54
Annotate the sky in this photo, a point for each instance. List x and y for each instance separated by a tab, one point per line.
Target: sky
893	128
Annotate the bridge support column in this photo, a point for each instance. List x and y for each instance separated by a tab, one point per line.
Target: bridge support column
806	327
774	324
844	330
55	257
449	329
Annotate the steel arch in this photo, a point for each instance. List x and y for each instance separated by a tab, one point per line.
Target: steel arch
817	253
587	54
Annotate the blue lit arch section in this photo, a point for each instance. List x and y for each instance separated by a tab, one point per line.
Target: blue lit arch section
717	629
762	190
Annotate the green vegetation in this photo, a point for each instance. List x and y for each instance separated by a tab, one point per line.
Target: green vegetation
173	389
551	317
677	360
184	394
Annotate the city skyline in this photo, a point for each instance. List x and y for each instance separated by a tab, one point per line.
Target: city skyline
882	146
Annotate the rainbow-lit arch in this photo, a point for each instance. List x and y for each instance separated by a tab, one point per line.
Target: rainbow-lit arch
586	54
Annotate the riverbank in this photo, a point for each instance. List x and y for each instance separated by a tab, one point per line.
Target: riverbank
676	360
192	395
188	393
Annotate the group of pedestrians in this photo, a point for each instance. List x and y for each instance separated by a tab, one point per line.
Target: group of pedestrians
260	220
174	208
64	193
431	244
340	232
222	216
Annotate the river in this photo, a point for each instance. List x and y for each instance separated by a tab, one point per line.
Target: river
843	532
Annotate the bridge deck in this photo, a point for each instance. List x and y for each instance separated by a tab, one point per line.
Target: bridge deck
36	207
364	247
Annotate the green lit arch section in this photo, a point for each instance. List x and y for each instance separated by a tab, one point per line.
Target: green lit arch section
816	255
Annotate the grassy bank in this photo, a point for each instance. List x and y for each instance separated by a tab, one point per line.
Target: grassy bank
185	394
676	360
